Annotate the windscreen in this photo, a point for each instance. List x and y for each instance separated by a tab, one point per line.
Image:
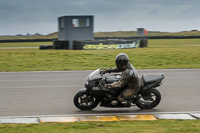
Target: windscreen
95	75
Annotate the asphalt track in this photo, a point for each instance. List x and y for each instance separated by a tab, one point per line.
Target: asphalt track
51	93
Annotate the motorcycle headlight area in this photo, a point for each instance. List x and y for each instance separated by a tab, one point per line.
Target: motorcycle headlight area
89	84
86	82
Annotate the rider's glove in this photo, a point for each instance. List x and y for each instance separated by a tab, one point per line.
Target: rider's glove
107	86
106	71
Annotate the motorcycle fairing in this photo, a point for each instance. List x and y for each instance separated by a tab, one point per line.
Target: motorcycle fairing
150	78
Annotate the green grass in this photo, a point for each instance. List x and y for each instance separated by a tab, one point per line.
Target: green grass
161	54
24	44
159	126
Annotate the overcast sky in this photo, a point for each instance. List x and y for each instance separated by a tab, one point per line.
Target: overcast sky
40	16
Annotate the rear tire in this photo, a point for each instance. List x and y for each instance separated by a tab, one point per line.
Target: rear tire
149	99
85	101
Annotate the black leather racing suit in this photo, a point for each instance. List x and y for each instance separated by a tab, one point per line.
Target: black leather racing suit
130	78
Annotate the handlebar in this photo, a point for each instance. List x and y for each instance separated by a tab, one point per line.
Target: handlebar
102	72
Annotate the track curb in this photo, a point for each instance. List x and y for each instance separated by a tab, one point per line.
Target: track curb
93	118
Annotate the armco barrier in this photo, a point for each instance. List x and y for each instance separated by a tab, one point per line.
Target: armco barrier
149	37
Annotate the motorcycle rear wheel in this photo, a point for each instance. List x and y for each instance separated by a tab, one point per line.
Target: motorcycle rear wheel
149	99
85	101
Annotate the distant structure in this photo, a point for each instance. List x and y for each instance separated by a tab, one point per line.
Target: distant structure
76	32
71	28
142	31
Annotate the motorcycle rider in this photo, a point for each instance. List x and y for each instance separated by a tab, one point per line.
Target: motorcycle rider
130	78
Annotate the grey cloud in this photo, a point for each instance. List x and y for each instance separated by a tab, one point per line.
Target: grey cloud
41	15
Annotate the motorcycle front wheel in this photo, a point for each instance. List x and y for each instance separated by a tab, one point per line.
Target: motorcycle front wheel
85	101
149	99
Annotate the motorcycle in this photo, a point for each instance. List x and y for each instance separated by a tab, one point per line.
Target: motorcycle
95	94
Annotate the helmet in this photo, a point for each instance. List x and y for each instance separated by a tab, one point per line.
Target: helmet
121	61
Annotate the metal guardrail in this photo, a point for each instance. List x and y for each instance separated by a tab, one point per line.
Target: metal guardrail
150	37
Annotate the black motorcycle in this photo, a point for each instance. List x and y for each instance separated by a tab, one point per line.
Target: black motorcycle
95	94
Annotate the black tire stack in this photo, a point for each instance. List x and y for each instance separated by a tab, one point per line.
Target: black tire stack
144	42
78	45
43	47
60	44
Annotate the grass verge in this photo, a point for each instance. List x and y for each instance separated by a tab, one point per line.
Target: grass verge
159	126
161	54
24	44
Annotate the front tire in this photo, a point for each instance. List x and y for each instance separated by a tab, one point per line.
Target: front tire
85	101
149	99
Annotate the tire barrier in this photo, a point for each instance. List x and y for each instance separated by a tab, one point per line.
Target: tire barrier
143	43
60	44
78	45
43	47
